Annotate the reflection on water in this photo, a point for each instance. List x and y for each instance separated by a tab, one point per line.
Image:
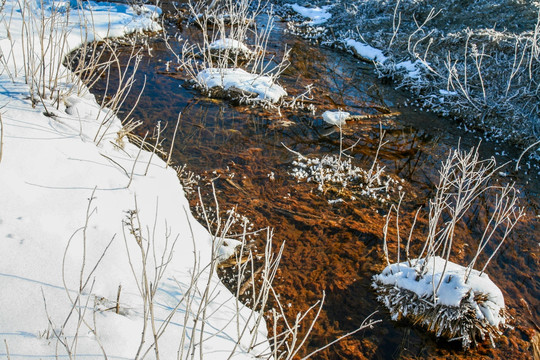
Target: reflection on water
336	248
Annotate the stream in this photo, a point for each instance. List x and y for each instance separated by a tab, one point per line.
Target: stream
333	243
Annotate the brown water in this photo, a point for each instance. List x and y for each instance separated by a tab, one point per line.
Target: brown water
337	248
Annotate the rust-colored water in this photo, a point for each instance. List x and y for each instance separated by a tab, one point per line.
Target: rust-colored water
337	248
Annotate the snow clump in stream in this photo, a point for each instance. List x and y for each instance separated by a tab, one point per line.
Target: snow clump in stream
337	118
316	15
255	87
232	46
461	310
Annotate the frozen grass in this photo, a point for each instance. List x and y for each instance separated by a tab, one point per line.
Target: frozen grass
336	175
342	179
450	300
477	61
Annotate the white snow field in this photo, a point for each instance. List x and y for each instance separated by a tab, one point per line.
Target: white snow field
66	244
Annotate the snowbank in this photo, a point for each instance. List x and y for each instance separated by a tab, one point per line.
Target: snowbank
263	86
74	217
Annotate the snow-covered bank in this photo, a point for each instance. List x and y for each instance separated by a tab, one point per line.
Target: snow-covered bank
79	219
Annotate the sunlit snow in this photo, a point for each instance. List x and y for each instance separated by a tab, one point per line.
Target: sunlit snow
264	86
66	204
316	14
453	287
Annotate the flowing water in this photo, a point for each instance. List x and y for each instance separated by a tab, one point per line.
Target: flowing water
336	247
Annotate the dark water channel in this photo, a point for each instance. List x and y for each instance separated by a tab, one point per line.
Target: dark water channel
336	247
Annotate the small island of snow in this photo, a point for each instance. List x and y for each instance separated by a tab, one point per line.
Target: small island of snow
461	309
337	118
264	86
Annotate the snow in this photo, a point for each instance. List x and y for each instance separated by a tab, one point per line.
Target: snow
413	69
65	201
447	93
366	51
263	86
316	14
337	118
229	44
453	287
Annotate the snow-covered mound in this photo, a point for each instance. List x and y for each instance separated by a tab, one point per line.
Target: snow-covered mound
337	118
230	45
365	51
264	86
461	310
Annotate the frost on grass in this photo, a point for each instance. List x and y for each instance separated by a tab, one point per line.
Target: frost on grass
462	311
483	54
338	176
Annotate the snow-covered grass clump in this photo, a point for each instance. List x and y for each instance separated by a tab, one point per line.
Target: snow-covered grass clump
452	301
365	51
461	311
337	118
316	15
233	46
251	87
